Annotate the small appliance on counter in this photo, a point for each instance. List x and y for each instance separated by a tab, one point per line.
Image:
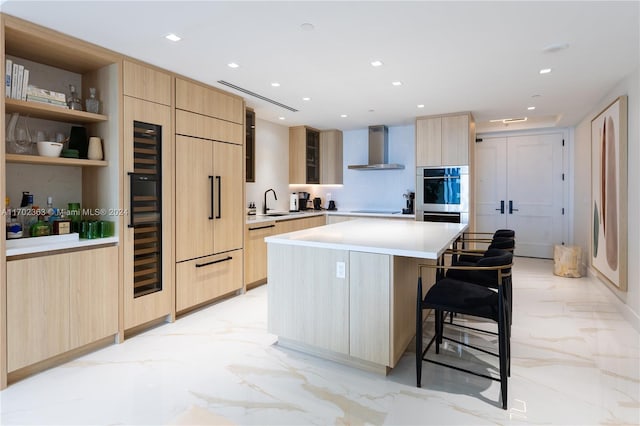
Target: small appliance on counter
332	205
410	197
293	202
303	199
317	203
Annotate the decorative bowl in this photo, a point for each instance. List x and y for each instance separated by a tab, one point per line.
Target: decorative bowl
49	149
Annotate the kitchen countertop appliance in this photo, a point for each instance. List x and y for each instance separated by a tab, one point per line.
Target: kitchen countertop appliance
303	199
442	194
410	197
293	202
317	203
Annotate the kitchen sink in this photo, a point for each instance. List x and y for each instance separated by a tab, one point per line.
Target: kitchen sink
276	214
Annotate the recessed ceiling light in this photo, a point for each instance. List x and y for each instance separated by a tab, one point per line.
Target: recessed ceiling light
307	27
274	84
545	71
421	106
306	98
172	37
232	65
531	108
376	63
343	115
280	118
397	83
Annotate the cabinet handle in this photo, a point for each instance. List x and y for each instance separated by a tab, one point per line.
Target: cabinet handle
219	215
501	207
262	227
511	209
131	175
211	185
200	265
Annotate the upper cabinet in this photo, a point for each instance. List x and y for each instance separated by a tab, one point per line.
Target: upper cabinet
315	157
331	157
143	82
250	145
206	100
444	140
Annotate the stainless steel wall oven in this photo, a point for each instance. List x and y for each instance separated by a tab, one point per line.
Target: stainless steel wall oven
442	194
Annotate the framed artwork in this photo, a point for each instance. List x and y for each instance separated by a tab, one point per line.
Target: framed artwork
609	193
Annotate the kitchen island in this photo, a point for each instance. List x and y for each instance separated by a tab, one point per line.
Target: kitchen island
346	291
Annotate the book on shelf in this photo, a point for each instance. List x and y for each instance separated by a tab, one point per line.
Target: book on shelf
14	79
46	94
33	98
7	77
25	84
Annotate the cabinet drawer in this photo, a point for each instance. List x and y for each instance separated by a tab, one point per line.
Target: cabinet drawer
255	251
208	101
204	279
201	126
146	83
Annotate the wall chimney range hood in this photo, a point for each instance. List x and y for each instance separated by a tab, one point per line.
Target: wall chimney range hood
378	151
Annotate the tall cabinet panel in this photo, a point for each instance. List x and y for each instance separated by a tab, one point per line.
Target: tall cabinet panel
148	258
210	194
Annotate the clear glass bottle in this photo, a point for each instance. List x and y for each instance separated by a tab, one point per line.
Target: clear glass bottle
92	103
74	101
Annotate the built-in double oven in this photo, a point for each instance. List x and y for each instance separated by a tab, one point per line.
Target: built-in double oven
442	194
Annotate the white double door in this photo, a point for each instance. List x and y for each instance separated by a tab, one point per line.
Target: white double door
520	185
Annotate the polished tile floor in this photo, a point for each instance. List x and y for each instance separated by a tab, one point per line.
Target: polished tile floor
575	362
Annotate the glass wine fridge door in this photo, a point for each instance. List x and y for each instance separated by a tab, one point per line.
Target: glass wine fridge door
145	208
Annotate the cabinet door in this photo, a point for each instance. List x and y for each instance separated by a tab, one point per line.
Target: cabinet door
201	126
201	280
428	142
312	158
37	309
297	155
209	101
94	295
228	222
331	157
255	251
369	309
195	183
146	83
455	140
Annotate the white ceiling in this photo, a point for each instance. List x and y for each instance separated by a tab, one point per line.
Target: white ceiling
482	57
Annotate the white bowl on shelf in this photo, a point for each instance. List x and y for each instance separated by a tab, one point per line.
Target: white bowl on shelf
49	149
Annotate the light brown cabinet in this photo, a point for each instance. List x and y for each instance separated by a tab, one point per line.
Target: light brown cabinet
206	100
304	155
60	302
444	140
148	241
255	260
331	157
143	82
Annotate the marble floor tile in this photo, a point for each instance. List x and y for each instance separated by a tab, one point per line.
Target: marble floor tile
575	361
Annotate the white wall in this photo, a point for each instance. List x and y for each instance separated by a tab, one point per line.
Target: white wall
361	189
380	189
272	166
582	190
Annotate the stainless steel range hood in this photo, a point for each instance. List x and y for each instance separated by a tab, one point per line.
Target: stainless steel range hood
378	151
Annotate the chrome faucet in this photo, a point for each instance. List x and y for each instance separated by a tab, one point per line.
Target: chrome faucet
264	206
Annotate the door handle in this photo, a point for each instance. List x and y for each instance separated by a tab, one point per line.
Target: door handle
211	184
219	215
501	207
511	209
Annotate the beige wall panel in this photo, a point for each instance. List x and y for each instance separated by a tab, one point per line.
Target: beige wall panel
369	313
300	309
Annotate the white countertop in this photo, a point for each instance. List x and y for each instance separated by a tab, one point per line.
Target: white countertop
426	240
258	218
52	243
